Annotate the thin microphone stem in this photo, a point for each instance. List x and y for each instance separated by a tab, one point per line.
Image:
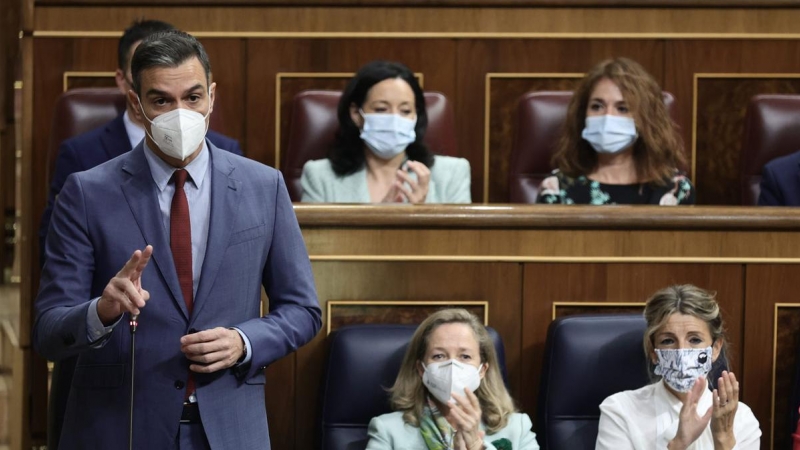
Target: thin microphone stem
134	323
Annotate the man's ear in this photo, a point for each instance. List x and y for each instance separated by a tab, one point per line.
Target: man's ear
133	100
212	95
122	83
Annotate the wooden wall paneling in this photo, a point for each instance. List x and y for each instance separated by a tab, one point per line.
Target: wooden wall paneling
766	286
434	58
684	58
546	283
530	21
228	66
496	283
476	58
721	106
341	313
787	337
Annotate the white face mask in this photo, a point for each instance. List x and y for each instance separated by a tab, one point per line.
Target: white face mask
387	135
609	134
445	377
178	133
680	368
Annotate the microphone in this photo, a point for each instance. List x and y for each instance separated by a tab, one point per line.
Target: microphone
134	323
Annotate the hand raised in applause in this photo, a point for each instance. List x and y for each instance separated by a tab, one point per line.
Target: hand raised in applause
124	292
691	425
407	189
465	416
726	402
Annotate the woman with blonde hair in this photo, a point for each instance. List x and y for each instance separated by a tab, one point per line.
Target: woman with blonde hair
685	337
619	144
449	393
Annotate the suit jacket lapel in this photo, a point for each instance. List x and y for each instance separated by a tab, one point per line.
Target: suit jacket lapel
225	198
115	140
139	191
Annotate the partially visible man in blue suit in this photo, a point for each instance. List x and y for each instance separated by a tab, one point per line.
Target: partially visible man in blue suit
184	235
91	149
780	182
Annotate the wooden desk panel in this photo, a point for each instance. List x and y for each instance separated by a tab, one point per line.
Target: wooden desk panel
534	263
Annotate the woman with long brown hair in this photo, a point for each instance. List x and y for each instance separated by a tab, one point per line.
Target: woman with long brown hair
619	143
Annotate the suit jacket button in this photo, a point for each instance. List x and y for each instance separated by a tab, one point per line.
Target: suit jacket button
179	384
68	339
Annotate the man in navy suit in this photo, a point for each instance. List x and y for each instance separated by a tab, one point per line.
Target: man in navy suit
780	182
91	149
183	235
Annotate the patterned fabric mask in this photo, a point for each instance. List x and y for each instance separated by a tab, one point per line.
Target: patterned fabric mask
681	367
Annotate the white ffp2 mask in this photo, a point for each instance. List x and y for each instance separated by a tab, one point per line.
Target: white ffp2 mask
178	133
445	377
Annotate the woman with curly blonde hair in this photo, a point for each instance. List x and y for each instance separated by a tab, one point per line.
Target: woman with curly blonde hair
619	144
449	393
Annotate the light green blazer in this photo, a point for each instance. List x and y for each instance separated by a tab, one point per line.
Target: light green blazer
389	432
450	183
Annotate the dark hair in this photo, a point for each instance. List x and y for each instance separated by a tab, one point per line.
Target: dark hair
347	153
138	30
657	152
167	49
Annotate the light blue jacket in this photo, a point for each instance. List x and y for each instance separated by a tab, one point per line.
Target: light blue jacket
450	183
389	432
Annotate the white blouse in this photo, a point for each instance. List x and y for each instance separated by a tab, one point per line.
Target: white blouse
647	418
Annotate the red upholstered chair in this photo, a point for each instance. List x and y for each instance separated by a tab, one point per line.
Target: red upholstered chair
314	124
771	130
540	118
78	111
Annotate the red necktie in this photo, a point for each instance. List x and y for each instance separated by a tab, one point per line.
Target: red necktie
180	242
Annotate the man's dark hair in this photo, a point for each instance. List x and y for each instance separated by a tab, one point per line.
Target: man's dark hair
138	30
167	49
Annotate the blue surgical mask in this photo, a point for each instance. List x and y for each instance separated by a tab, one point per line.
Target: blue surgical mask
387	135
681	367
609	134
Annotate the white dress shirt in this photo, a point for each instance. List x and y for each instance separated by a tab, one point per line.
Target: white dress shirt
648	418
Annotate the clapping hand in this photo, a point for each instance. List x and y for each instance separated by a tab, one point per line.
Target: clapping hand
407	189
691	425
726	402
465	416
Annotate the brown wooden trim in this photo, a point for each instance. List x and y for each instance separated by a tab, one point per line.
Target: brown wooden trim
435	3
550	217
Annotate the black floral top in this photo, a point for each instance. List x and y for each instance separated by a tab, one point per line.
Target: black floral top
561	189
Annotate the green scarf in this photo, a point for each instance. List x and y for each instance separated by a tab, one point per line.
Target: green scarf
435	429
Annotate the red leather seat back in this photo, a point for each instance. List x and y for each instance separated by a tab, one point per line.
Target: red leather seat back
771	130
